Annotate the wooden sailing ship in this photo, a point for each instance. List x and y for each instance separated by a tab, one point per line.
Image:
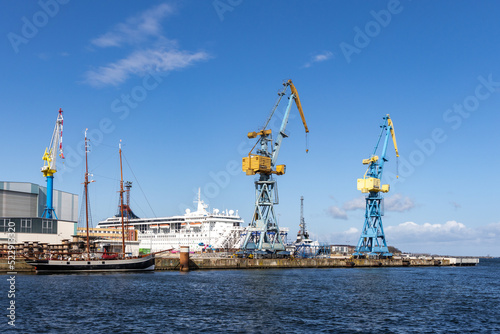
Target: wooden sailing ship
106	262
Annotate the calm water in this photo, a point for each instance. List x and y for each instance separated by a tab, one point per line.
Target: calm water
371	300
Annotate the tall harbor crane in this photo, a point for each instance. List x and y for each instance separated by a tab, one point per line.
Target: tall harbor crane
49	165
263	232
302	234
372	240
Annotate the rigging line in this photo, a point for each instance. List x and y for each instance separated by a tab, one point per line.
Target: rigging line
278	100
80	217
307	143
103	162
154	214
397	167
91	224
136	204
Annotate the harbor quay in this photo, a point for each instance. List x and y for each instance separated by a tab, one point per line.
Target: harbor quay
203	263
199	263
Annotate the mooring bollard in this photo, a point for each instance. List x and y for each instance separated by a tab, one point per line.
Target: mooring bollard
184	258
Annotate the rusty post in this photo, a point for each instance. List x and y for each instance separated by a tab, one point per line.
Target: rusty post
184	258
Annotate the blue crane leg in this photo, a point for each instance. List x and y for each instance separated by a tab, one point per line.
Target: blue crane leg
49	209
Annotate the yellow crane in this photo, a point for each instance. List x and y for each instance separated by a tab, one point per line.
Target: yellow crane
372	240
264	162
263	232
49	164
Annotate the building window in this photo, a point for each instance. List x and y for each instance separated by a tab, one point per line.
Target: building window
25	225
47	226
4	225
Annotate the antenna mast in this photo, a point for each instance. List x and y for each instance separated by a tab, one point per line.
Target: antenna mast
121	200
86	183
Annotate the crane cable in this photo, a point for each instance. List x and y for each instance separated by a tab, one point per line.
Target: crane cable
307	144
276	104
147	201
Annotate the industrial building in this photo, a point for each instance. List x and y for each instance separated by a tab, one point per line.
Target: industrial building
113	233
21	208
342	249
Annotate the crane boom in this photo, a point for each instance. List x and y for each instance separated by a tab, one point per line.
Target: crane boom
393	134
50	155
49	165
281	134
297	102
371	180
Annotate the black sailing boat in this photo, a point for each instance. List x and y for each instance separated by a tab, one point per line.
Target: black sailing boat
106	262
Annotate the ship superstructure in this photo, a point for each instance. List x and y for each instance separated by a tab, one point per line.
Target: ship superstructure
200	229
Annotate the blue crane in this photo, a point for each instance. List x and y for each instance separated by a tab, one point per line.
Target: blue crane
49	165
372	240
263	232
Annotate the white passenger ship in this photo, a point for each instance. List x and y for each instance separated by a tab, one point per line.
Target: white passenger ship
199	230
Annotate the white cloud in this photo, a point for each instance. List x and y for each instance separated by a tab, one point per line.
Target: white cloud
411	231
141	62
319	58
491	231
337	212
449	238
323	56
355	204
398	203
148	50
349	237
135	29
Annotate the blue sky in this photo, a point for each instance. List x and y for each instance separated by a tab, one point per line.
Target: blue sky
182	82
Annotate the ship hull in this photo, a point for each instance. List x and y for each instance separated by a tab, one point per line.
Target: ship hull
146	263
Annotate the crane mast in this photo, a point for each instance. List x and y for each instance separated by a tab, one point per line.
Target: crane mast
263	232
302	234
49	165
372	241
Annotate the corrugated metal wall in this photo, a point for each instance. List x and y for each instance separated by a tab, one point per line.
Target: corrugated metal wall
23	199
17	204
66	205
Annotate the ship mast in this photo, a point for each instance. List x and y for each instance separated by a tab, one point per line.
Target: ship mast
86	182
121	201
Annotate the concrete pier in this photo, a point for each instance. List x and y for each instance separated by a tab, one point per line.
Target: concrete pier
239	263
185	263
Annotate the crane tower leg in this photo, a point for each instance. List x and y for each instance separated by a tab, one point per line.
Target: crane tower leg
49	211
264	233
372	240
